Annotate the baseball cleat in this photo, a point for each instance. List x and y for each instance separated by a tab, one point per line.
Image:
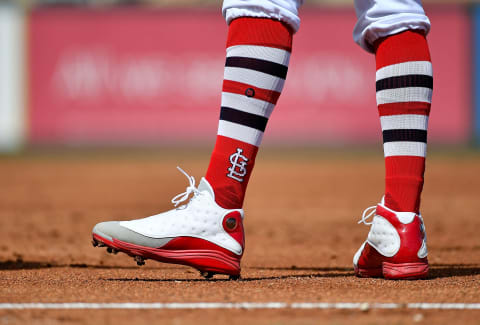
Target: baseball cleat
200	234
396	246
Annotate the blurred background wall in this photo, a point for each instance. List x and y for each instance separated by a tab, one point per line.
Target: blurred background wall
149	72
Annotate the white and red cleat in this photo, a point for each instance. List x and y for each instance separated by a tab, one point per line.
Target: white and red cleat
200	234
396	246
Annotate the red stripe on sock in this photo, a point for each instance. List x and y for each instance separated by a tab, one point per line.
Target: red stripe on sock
259	93
229	193
260	31
419	108
404	182
403	47
403	174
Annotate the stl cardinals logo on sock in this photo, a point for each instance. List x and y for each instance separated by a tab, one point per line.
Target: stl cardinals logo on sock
238	169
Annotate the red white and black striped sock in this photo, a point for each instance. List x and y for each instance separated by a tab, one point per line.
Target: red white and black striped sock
404	83
258	52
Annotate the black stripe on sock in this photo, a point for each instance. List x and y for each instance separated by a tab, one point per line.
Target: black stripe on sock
411	135
271	68
411	80
243	118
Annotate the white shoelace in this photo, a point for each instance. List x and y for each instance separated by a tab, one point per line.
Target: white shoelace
190	189
367	213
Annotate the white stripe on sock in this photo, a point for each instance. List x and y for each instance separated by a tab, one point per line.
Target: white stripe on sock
247	104
405	121
405	68
401	95
405	148
240	132
254	78
260	52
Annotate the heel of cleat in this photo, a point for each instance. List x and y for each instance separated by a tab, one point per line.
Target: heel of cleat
405	271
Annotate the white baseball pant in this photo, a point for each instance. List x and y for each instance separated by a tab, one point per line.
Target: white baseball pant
375	18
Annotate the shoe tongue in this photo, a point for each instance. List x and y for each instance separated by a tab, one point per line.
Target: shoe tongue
204	186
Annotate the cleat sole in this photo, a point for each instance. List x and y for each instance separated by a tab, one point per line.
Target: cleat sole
209	262
395	271
369	273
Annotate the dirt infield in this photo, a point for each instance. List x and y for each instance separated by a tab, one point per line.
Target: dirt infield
301	214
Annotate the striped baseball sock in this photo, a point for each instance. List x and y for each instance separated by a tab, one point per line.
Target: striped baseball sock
404	86
258	52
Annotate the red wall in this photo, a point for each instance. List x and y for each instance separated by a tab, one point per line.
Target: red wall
130	76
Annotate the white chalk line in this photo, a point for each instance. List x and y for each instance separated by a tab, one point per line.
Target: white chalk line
243	305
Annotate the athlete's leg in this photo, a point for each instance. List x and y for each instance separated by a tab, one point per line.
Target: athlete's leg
258	52
395	31
207	232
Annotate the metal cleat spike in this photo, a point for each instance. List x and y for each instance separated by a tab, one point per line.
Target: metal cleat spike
94	243
140	260
207	275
